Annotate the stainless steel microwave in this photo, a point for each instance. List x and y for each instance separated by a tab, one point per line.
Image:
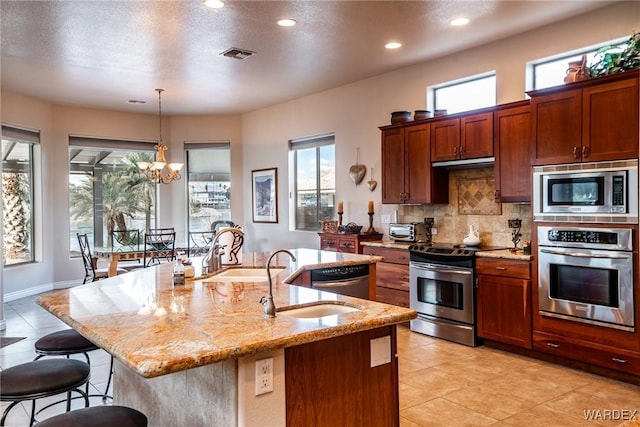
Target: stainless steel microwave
605	192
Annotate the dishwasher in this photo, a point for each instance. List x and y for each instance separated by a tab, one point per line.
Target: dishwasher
350	280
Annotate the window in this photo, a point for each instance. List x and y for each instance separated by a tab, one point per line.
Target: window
209	183
18	147
313	161
552	71
107	191
464	95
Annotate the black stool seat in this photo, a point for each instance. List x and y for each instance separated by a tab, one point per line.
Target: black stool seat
33	380
42	378
98	416
63	342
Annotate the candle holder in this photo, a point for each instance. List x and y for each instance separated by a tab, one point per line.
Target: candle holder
371	230
340	218
515	225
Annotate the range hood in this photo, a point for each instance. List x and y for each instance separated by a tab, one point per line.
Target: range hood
480	162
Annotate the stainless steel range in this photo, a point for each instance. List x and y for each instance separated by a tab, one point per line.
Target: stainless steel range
442	291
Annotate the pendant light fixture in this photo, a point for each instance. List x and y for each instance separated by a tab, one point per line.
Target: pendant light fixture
160	171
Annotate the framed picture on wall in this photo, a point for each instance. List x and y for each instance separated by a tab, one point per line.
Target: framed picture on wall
264	195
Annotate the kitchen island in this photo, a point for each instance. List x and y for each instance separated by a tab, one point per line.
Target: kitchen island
185	355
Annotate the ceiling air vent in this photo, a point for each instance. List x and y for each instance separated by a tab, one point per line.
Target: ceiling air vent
236	53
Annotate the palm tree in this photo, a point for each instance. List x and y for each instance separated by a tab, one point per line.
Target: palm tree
143	188
17	218
125	193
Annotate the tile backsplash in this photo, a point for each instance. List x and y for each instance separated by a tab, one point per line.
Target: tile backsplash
471	203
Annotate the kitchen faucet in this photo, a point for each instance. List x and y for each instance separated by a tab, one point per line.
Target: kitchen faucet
267	302
212	261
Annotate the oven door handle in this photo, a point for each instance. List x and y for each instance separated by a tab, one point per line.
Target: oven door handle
443	270
585	255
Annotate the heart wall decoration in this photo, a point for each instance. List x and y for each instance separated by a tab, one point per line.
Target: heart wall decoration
372	183
357	171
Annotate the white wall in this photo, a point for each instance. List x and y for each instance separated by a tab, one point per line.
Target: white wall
259	139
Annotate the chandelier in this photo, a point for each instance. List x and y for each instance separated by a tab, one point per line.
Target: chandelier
160	171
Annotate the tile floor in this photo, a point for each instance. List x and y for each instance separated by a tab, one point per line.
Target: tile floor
441	383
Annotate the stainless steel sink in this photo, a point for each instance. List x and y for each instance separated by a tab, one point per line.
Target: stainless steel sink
319	309
248	274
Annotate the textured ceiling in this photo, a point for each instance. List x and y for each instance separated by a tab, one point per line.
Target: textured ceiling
103	53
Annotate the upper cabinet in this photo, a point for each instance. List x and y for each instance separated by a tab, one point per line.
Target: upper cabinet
466	137
407	176
512	141
587	121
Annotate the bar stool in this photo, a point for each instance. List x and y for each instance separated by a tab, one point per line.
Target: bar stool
97	416
42	378
67	343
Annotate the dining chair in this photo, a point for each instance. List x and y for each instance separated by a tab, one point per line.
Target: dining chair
91	270
199	242
162	230
159	246
125	239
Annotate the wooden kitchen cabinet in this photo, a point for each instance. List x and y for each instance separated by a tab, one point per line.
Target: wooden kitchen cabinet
504	300
349	243
512	142
392	275
332	383
586	121
466	137
591	352
407	176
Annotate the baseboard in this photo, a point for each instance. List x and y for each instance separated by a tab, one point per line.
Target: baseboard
35	290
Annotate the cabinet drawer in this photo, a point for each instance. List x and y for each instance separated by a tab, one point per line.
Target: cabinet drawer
503	267
607	357
395	276
396	256
347	246
392	296
328	244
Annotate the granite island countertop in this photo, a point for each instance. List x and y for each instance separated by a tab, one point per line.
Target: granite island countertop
155	328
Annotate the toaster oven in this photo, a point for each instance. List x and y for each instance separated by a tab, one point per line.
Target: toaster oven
413	232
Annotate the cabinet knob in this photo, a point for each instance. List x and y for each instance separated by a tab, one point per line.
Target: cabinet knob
619	360
585	152
575	152
455	151
554	345
461	150
501	268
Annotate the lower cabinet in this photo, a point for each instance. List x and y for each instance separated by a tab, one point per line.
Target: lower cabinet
331	382
504	300
588	351
392	275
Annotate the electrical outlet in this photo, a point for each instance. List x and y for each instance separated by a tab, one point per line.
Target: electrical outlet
264	376
434	231
385	219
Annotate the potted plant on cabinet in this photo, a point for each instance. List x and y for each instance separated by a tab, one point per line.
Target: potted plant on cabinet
616	59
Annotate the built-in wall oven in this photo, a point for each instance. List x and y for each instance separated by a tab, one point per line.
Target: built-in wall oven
442	291
586	275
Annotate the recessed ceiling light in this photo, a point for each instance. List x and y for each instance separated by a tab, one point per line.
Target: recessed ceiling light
287	22
214	4
458	22
393	45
